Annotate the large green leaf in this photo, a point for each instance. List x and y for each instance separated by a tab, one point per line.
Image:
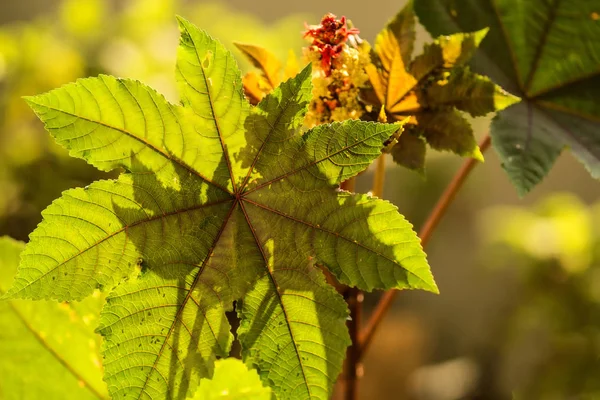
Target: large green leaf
220	202
49	350
546	52
431	88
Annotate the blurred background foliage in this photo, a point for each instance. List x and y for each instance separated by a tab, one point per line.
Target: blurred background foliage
549	344
519	313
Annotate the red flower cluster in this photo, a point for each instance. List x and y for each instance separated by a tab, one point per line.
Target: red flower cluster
328	39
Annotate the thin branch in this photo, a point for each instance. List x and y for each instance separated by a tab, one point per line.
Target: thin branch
349	185
349	379
379	177
386	301
352	367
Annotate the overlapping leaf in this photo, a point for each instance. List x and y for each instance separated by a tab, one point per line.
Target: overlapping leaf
232	381
546	52
49	350
431	88
220	202
256	86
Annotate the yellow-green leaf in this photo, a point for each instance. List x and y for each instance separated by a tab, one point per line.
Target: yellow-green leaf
232	380
219	202
394	46
49	350
263	59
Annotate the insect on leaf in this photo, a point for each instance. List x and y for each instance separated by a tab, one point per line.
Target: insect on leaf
546	52
220	202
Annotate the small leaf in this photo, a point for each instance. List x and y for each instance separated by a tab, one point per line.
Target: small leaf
232	381
49	350
394	46
255	87
264	60
435	82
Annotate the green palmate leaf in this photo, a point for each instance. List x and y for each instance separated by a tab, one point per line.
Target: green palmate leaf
546	52
49	350
436	81
449	131
232	381
220	202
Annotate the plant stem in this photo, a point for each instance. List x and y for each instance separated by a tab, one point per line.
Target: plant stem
349	185
348	384
379	177
354	299
384	304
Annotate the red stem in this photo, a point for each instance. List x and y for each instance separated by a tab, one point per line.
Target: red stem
349	379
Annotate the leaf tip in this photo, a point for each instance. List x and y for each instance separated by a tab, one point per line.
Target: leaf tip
181	20
31	101
427	283
503	99
11	294
185	26
307	69
478	155
479	35
523	190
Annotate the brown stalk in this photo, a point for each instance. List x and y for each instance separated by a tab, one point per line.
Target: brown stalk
348	382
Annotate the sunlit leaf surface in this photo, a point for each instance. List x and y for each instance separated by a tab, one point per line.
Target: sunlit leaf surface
232	381
49	350
220	202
